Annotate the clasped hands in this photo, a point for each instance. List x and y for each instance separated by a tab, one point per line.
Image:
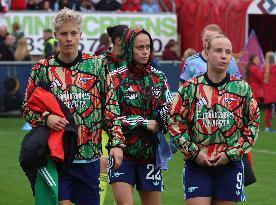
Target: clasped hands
219	160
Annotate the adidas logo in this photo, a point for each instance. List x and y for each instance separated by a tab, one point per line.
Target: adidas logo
201	102
55	84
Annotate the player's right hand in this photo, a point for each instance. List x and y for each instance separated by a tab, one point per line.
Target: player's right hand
56	123
202	159
117	154
221	159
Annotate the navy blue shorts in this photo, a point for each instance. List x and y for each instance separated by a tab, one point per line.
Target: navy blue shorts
222	183
144	176
80	184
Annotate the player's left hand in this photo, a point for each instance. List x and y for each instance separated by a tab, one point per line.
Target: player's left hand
117	154
220	159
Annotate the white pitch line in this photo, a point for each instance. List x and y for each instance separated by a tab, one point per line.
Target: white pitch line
264	151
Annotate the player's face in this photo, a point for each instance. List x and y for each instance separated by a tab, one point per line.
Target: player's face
68	37
141	48
207	35
219	54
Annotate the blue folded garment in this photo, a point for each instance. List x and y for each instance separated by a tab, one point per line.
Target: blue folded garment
173	147
163	152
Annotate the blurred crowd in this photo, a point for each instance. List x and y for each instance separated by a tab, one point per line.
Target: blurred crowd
14	46
148	6
262	80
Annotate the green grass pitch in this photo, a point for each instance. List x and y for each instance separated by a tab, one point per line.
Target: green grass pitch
15	189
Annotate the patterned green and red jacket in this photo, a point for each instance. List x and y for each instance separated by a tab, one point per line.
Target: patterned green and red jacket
86	88
213	118
143	95
140	100
113	62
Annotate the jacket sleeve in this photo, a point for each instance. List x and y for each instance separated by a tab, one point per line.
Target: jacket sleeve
162	113
250	129
111	111
178	125
133	122
37	77
185	75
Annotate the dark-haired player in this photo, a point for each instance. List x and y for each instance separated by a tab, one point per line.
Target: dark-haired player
114	60
143	97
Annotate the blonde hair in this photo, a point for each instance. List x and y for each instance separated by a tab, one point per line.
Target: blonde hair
208	45
269	59
21	51
67	15
211	27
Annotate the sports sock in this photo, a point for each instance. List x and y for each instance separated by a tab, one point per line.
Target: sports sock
103	187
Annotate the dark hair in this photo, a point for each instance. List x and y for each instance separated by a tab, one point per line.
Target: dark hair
116	31
247	68
48	30
15	25
104	39
170	43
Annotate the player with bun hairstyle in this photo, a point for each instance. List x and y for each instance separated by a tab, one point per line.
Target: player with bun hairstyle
113	59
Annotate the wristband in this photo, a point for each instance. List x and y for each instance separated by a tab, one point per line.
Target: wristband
45	116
